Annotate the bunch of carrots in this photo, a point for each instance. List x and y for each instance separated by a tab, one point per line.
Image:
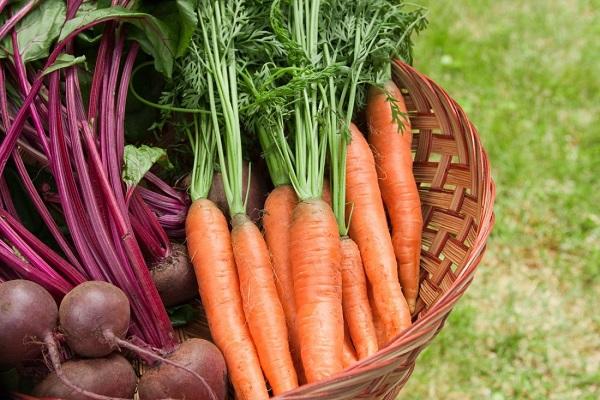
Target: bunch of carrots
328	281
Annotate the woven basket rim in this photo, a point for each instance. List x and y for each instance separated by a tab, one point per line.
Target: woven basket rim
447	300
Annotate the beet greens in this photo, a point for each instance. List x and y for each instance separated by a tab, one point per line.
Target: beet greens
80	144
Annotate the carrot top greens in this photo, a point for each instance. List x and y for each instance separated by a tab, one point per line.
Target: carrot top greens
231	37
362	36
332	50
293	72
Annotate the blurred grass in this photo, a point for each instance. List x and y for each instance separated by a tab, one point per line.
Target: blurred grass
528	74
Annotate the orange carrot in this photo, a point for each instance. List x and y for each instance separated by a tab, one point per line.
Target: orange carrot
349	355
368	228
261	305
210	250
277	220
315	255
355	301
392	147
377	322
263	310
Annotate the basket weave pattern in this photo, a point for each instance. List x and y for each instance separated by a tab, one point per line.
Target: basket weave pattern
457	195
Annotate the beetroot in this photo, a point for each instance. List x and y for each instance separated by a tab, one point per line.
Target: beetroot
259	188
111	376
28	316
90	314
94	317
174	277
166	381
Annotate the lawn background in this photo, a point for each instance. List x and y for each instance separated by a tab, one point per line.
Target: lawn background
527	72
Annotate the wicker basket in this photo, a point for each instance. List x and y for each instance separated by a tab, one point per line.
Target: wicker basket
457	195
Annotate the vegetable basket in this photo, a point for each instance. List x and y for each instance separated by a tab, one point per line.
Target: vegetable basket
457	195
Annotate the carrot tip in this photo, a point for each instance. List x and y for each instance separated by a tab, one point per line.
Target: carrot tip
411	306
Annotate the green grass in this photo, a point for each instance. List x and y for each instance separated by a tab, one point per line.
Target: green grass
528	75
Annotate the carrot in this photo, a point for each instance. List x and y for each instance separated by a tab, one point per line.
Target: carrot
392	147
277	220
369	230
349	351
264	313
314	243
358	319
355	301
316	257
377	322
210	250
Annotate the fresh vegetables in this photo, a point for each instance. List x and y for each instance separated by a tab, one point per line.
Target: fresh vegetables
392	147
277	220
174	277
294	91
324	287
209	246
91	316
349	353
369	229
262	307
313	242
27	314
166	381
101	244
94	318
357	310
111	376
316	259
211	253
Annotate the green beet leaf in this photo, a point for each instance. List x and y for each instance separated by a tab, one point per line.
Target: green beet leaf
64	61
139	160
37	31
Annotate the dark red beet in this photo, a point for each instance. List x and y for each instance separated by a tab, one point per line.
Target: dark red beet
94	317
110	376
28	313
28	316
167	381
90	311
259	189
174	277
